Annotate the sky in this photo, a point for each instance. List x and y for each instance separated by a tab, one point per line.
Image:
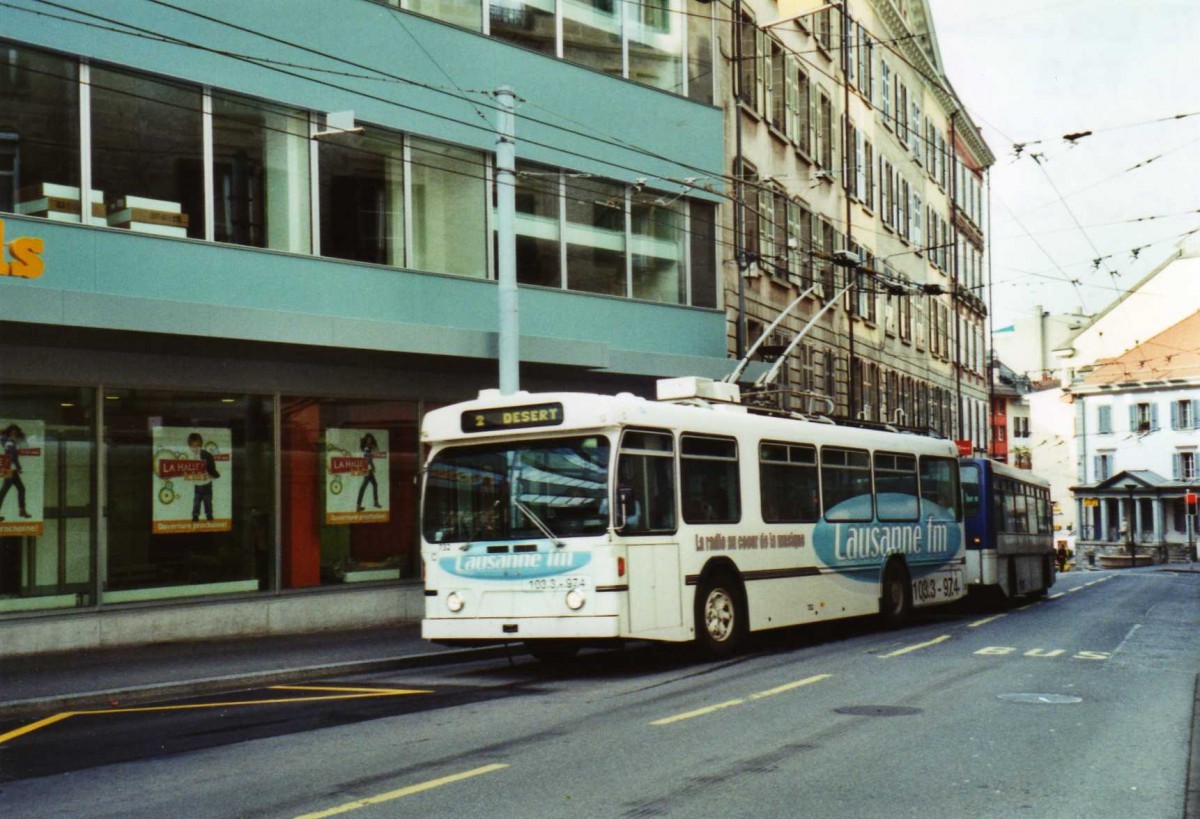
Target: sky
1034	71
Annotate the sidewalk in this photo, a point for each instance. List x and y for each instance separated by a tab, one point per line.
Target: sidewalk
48	683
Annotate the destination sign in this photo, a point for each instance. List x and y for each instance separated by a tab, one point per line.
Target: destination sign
533	415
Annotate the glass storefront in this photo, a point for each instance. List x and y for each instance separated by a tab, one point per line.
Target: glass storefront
47	497
349	491
182	497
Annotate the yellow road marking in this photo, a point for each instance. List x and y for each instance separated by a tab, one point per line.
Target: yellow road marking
699	712
917	647
362	693
984	621
770	692
397	794
354	690
33	726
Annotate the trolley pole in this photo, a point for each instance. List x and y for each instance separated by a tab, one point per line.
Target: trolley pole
506	240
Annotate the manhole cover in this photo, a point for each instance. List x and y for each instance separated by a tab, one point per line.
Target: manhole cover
1041	699
877	711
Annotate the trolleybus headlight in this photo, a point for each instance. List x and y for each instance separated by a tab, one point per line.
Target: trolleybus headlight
575	600
454	602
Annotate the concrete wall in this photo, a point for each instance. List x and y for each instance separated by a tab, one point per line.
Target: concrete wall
245	617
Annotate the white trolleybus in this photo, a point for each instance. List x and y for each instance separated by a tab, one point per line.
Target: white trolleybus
562	519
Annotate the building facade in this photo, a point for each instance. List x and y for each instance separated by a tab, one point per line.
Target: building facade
246	252
861	189
1137	428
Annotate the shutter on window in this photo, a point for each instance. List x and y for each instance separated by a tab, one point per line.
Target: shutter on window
1154	416
1174	415
1133	419
789	119
1177	466
1195	419
1096	465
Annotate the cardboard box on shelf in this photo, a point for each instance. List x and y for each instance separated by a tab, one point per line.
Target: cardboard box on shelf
58	203
143	215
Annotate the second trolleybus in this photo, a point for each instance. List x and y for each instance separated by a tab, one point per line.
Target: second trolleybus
1009	530
559	519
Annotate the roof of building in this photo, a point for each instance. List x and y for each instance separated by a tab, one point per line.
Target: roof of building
1173	354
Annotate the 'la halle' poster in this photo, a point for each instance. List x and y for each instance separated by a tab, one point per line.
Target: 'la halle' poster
193	477
356	476
22	477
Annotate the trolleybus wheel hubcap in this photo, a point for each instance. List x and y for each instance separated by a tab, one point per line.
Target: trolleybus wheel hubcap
718	615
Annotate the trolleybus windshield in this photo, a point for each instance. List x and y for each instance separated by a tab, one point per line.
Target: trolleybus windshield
510	490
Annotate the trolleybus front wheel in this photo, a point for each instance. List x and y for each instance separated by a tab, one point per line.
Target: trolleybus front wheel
720	616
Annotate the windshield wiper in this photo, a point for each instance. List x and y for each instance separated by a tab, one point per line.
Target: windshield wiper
542	527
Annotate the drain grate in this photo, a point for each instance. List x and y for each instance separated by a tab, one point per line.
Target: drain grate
877	711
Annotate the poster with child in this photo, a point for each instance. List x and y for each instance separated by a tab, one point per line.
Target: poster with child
193	477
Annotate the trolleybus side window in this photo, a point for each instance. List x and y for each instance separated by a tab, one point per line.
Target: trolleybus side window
939	483
846	484
789	483
708	470
896	492
645	500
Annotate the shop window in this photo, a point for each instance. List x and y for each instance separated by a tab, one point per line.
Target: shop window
349	491
448	199
148	154
190	494
261	175
596	237
39	135
47	498
362	198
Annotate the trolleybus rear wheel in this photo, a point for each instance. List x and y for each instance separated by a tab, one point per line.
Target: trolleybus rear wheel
551	651
895	604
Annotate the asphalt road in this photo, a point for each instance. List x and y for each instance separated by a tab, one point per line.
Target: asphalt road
1078	705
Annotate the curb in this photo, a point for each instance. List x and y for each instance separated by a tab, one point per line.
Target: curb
137	694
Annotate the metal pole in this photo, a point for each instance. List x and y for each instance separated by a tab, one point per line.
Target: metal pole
847	189
954	295
506	240
739	204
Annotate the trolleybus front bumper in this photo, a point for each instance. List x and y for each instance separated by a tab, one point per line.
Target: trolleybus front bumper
507	629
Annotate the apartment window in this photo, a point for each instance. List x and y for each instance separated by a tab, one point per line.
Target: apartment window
39	137
885	92
1143	417
804	114
777	88
824	147
1104	420
747	71
702	218
748	191
1102	465
465	13
1184	465
1184	414
362	198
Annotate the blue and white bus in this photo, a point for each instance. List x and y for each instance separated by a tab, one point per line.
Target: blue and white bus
1010	537
560	519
